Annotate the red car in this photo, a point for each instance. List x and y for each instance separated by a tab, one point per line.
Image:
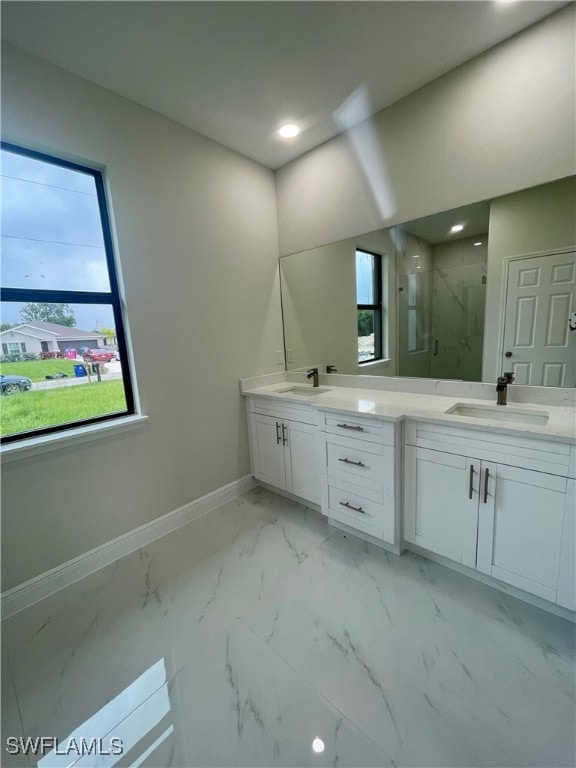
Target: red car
99	355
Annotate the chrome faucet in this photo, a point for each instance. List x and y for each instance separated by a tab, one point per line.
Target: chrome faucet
502	387
313	374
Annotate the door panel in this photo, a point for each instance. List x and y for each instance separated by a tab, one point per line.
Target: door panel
439	513
520	532
540	296
302	474
269	457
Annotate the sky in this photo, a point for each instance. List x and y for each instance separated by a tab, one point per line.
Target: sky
52	235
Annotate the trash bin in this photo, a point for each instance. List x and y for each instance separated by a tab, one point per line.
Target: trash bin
79	371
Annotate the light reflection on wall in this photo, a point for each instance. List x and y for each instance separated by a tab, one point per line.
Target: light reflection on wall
354	117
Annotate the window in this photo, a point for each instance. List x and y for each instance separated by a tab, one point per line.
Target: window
369	305
64	356
418	312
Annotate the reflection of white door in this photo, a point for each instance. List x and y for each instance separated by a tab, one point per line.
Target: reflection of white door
538	345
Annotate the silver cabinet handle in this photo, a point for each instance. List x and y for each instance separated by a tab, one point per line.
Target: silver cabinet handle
486	476
350	426
471	485
284	438
356	463
278	438
349	506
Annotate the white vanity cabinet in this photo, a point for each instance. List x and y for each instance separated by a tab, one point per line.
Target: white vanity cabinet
283	447
441	504
359	468
501	504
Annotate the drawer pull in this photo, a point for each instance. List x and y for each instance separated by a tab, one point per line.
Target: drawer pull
471	485
486	478
284	438
356	463
350	426
349	506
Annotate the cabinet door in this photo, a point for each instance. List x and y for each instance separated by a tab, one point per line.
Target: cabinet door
520	528
567	575
269	451
441	503
301	461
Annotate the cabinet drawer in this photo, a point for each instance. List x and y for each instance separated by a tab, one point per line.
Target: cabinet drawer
362	464
370	430
375	517
282	411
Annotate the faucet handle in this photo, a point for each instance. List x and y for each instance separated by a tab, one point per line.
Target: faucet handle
509	376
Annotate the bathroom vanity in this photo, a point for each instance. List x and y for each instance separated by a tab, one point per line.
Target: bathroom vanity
489	490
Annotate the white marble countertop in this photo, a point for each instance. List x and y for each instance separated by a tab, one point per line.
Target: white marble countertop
396	406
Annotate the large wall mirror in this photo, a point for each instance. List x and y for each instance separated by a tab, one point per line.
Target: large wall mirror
465	294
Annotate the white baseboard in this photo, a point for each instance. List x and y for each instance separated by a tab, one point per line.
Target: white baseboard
18	598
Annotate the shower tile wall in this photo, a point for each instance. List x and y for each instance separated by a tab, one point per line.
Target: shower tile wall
414	271
457	308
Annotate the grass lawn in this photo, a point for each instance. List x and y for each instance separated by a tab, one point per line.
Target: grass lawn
38	369
44	408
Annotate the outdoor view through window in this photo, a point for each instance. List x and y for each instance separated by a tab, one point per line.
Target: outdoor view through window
369	305
63	355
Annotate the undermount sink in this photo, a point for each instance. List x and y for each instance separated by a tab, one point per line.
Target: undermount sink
304	391
499	413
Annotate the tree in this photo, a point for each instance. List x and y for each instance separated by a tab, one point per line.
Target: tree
61	314
108	333
6	326
365	322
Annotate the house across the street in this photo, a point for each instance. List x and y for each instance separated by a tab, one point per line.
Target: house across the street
39	336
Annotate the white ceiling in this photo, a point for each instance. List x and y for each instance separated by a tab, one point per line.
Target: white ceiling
234	71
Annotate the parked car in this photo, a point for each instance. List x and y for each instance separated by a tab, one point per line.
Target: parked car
10	385
99	355
115	352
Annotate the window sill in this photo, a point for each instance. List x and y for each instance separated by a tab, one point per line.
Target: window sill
34	446
371	363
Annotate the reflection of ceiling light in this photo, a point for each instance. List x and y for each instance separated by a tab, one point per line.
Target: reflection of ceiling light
457	228
417	267
415	255
289	131
478	243
318	745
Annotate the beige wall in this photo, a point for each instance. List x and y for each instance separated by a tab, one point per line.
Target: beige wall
527	222
197	240
502	122
319	305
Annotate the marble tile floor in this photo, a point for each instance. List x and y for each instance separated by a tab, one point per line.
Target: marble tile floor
258	633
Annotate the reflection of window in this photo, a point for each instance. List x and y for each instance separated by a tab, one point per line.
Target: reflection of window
131	726
417	313
59	294
369	305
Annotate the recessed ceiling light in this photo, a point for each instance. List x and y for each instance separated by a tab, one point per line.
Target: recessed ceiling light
478	243
415	255
318	745
457	228
288	131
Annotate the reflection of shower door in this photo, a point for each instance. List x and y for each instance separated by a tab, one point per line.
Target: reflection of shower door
538	345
